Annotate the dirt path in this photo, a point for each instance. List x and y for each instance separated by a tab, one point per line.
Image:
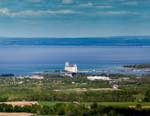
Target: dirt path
20	103
15	114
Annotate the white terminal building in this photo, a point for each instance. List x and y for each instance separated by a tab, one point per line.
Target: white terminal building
70	68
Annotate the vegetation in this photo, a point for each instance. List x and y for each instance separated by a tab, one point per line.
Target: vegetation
69	96
138	66
75	89
77	110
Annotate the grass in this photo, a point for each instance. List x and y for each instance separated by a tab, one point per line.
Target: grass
123	104
116	104
50	103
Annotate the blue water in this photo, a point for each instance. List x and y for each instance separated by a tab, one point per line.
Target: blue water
27	56
101	41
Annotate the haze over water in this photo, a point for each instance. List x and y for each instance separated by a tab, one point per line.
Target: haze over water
26	56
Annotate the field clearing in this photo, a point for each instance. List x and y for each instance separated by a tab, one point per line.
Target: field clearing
124	104
20	103
51	103
116	104
15	114
48	103
85	89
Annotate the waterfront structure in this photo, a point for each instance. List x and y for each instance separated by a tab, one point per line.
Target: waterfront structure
92	78
70	68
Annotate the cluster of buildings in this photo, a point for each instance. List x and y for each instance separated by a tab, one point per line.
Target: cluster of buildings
71	69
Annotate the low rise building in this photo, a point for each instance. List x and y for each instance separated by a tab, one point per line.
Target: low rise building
31	77
92	78
36	77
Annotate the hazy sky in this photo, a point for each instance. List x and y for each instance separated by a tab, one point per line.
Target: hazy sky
74	18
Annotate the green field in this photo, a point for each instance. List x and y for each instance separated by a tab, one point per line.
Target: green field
116	104
54	88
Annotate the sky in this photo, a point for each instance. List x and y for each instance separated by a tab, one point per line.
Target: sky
74	18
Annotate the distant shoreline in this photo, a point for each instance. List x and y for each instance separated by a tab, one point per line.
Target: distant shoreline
86	41
129	69
138	66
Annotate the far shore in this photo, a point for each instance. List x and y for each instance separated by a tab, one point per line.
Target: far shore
137	66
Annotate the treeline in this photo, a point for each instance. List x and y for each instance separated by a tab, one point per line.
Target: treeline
10	108
7	75
72	109
89	96
138	66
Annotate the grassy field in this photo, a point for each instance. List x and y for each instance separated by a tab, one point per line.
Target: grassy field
75	89
117	104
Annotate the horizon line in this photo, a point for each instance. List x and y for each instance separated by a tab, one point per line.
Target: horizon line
77	36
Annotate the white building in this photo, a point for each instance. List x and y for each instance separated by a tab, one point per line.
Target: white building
31	77
92	78
36	77
71	68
